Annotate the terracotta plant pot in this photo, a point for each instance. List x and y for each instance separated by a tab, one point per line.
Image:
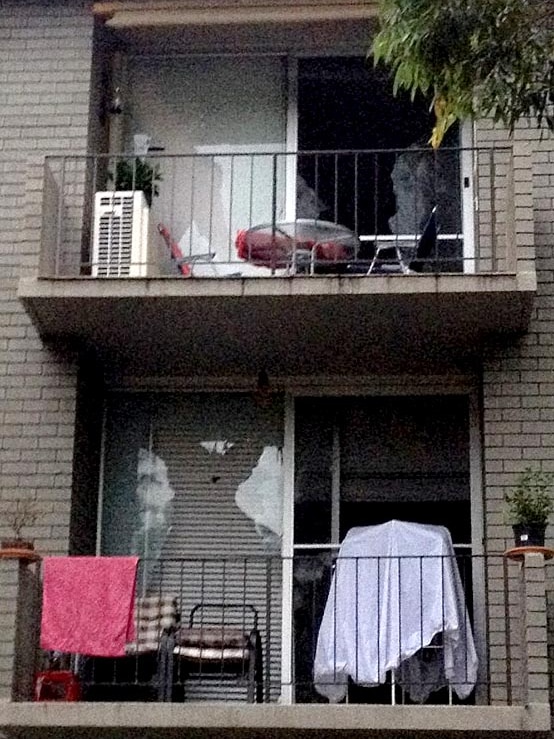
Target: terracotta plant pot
15	543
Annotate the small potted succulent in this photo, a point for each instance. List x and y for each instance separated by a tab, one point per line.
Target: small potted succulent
530	505
23	514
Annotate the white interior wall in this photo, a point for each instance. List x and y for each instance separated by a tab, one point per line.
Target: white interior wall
203	105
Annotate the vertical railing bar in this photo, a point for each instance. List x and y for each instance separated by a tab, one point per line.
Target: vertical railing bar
316	179
492	163
192	198
242	615
334	586
91	232
421	602
251	193
173	163
416	223
211	207
510	245
202	599
375	194
466	565
507	633
61	200
378	616
393	673
476	208
273	212
180	614
231	214
313	621
356	177
268	629
453	562
357	616
336	189
486	639
437	263
223	591
443	603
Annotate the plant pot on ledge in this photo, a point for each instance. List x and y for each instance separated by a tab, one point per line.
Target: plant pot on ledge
22	549
529	507
17	543
529	535
22	515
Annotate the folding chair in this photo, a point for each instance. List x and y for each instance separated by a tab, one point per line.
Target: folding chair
175	251
144	668
424	249
221	643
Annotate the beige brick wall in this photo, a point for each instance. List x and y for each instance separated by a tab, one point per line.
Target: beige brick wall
45	72
518	377
45	69
9	584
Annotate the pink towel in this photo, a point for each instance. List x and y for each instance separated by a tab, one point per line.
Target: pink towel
87	604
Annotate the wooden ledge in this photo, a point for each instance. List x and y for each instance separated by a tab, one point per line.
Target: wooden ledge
518	553
27	555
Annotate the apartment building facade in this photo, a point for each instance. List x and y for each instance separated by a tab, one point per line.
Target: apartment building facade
245	353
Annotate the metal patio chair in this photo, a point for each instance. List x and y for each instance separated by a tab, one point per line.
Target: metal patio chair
220	646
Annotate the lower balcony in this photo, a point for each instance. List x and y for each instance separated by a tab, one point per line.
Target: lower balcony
422	644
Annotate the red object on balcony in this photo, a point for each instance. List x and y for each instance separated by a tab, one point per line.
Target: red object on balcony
175	251
57	685
280	244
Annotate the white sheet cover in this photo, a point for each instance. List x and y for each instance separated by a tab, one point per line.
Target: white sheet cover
395	587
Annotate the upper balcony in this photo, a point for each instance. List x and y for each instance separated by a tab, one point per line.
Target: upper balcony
420	248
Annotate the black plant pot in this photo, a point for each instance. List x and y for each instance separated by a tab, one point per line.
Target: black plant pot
529	536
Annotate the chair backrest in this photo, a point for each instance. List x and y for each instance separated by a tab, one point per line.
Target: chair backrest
427	244
224	615
174	250
154	616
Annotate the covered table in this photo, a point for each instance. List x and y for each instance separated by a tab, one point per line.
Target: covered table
396	590
300	243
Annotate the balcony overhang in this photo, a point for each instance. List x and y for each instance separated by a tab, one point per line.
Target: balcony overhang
152	720
220	26
297	325
146	13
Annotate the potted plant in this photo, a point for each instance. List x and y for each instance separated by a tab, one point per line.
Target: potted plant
137	174
529	506
22	515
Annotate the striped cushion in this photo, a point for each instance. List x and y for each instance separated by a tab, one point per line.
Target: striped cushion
154	614
212	637
212	654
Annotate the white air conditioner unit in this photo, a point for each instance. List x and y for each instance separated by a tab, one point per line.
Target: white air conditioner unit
120	246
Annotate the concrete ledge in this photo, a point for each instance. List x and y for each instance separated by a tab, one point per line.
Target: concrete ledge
51	720
396	323
166	287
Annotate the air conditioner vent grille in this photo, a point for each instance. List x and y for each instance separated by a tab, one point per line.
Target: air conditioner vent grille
120	243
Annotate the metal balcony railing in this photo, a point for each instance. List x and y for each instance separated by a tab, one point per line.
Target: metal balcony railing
255	215
215	629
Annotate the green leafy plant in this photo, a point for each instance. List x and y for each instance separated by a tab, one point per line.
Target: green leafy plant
473	59
137	174
531	501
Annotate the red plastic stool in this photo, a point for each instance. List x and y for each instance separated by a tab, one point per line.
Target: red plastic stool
57	685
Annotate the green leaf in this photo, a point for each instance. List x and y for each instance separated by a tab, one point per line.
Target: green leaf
476	58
